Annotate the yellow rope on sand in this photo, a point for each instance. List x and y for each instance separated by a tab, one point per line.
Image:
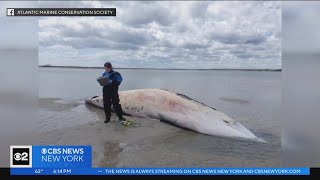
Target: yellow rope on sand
126	123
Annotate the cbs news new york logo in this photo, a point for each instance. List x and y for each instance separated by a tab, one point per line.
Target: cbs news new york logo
21	156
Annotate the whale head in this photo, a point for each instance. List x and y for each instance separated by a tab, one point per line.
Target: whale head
219	124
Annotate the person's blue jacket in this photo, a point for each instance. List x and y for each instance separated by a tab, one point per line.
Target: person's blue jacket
115	77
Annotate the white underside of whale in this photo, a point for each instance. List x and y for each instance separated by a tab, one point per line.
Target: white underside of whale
180	110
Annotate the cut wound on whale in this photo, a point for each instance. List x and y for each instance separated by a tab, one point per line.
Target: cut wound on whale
187	97
226	121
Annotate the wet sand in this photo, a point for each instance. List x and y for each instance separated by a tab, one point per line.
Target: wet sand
150	144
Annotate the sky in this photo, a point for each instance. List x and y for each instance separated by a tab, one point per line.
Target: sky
155	34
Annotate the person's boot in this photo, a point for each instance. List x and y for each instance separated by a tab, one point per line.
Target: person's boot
107	120
122	119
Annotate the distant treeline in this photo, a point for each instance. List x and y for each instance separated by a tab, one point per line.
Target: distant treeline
80	67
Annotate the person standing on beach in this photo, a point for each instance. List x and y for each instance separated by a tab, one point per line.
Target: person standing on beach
110	93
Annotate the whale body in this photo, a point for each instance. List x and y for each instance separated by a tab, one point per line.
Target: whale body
180	110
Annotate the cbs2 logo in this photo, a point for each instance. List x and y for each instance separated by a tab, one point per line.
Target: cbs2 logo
21	156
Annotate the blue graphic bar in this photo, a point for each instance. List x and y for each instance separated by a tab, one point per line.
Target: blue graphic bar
61	156
160	171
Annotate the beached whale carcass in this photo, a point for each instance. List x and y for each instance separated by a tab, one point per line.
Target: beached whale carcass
180	110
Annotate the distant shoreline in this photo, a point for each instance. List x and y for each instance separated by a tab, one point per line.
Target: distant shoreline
221	69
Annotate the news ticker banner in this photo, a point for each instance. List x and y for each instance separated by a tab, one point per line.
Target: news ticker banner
160	171
77	160
61	12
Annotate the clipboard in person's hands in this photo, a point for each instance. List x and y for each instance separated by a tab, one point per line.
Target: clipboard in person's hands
103	81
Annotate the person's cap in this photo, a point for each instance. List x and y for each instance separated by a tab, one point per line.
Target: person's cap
108	65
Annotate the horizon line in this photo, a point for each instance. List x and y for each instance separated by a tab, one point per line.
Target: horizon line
86	67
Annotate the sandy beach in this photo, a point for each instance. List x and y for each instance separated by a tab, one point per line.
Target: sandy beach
149	143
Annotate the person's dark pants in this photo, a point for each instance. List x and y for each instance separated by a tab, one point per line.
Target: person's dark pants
111	97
